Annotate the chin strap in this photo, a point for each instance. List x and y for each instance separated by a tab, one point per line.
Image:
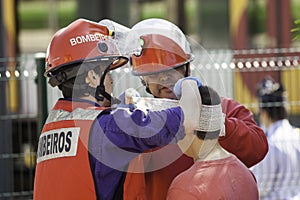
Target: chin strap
100	92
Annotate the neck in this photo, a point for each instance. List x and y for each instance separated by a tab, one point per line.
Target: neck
202	150
210	149
104	103
268	122
216	153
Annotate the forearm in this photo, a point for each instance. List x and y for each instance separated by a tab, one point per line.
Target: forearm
137	132
244	137
247	142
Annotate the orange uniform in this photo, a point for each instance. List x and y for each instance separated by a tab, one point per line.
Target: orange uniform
63	154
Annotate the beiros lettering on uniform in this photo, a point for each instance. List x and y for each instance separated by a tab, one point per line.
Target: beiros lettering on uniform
58	143
81	39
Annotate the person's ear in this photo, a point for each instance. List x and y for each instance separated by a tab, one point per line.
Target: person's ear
264	119
263	113
91	78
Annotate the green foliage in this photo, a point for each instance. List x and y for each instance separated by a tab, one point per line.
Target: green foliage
35	14
296	30
295	7
153	10
257	17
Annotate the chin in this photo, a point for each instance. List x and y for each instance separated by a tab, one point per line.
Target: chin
169	95
104	103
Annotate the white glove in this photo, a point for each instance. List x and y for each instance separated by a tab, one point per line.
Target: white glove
129	94
126	96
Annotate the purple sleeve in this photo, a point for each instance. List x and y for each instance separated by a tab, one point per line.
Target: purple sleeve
118	137
136	131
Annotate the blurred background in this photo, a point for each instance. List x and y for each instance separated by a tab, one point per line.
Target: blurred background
245	39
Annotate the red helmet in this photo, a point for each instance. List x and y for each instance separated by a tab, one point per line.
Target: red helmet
164	47
82	40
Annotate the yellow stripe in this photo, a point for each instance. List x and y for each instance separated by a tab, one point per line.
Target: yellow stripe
237	8
242	92
9	17
289	79
111	33
10	30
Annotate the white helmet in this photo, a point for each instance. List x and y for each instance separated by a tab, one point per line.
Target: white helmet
164	46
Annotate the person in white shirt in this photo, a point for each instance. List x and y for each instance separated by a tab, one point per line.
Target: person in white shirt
278	174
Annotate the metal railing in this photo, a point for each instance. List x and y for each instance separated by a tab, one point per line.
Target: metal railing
26	99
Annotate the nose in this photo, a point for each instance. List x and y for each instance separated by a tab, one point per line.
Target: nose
163	76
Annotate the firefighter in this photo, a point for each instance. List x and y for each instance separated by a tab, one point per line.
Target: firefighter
85	145
167	56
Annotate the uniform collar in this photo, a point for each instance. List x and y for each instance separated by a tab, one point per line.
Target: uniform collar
81	100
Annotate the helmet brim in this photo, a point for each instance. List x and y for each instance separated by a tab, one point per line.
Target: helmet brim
146	72
114	62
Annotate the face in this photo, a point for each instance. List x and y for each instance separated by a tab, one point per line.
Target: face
161	84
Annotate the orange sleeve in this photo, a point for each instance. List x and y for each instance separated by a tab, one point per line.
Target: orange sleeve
244	138
154	184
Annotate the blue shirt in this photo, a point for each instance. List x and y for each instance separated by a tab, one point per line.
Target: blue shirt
120	134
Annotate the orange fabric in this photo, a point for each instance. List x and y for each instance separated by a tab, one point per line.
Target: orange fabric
66	177
135	180
226	178
75	42
243	138
154	185
158	56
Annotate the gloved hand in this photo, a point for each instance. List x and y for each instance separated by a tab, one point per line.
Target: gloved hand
126	98
177	86
129	94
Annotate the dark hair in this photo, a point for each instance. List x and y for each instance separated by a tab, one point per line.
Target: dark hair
209	97
76	86
272	99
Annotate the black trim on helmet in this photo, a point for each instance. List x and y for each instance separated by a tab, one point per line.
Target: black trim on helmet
65	72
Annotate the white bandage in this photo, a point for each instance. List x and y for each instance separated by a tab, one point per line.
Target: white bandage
211	118
130	93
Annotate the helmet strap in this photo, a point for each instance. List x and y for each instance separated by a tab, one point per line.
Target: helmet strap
146	85
93	92
148	90
100	93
